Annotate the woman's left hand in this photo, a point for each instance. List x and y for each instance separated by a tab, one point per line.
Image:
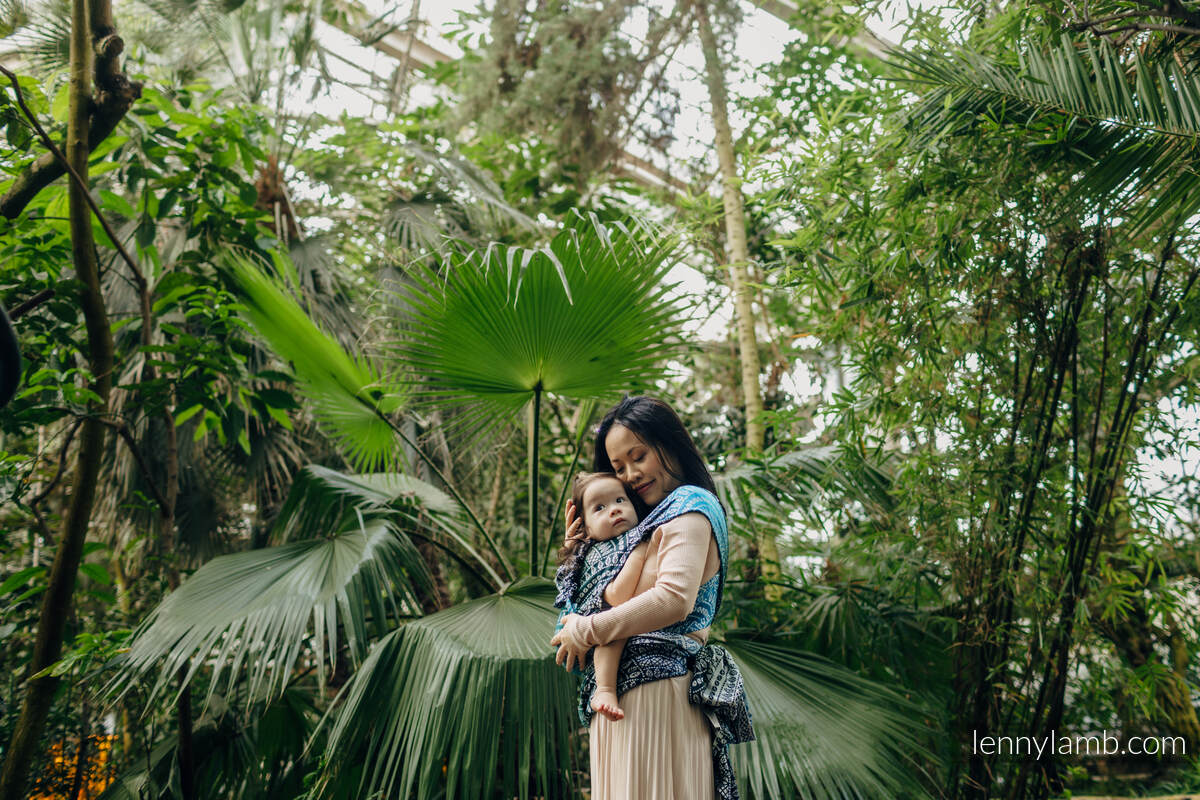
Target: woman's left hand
571	647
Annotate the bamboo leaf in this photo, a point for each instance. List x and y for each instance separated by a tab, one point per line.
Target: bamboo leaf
1141	134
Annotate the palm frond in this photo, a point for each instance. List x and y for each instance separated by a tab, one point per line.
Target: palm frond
323	286
312	504
1138	123
759	490
482	201
321	497
822	731
423	223
14	14
865	628
464	703
349	395
45	40
261	609
584	317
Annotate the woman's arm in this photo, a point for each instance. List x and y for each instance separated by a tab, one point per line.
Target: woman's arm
681	558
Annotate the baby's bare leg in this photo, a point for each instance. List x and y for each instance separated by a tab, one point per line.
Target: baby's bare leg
607	659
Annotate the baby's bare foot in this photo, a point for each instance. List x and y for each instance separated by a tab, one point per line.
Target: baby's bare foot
604	702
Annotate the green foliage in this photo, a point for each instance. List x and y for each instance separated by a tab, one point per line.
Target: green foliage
584	317
571	76
89	651
822	732
475	705
983	261
350	567
964	259
259	756
1133	125
350	395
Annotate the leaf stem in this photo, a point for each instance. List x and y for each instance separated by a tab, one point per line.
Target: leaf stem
534	417
508	570
585	413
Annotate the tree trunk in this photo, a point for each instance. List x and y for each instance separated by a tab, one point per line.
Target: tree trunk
739	259
735	234
56	601
80	778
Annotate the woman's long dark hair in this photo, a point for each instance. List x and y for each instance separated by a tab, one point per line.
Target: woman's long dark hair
656	424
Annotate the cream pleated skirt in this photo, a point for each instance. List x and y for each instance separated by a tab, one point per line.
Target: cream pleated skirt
662	750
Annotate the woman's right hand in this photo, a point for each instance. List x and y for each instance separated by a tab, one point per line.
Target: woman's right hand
574	524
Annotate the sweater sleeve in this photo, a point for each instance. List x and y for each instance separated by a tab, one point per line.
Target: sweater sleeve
682	553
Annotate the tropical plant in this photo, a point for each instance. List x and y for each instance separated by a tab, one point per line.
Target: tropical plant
496	332
348	567
584	317
617	324
809	713
994	261
1132	124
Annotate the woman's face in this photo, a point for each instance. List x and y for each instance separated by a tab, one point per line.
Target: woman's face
638	465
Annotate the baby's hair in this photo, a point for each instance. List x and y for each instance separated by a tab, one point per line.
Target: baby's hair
582	481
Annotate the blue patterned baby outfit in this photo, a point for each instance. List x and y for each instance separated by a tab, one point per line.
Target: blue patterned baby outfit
716	685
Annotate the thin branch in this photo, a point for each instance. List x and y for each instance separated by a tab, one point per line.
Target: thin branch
1170	8
1085	24
62	465
30	304
1150	9
109	107
1148	26
127	436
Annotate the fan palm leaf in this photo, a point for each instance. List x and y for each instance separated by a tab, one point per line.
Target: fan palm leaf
460	201
349	394
866	628
313	505
584	317
475	705
257	608
462	703
822	731
1138	121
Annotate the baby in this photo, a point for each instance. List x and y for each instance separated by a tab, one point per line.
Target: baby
607	511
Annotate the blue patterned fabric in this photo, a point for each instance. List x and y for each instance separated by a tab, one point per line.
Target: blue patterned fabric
581	591
716	685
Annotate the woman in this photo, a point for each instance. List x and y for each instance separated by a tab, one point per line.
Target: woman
671	683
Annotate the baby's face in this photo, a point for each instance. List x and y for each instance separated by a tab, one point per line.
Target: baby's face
607	511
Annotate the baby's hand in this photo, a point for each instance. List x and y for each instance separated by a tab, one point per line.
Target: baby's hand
574	524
